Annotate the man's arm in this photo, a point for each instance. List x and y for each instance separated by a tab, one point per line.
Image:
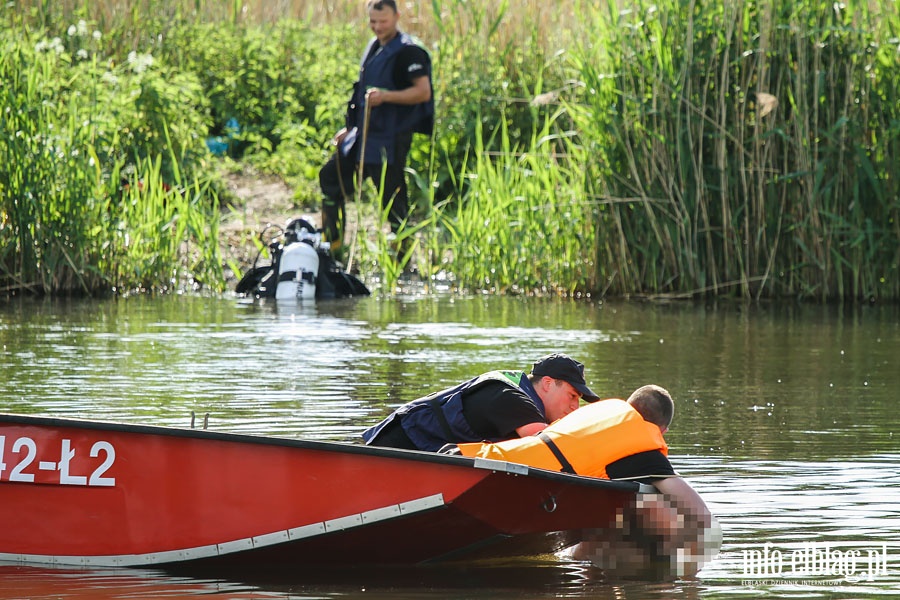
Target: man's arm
686	500
497	411
689	534
417	93
530	429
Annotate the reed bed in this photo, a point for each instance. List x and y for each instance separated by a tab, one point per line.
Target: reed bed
744	147
661	149
81	209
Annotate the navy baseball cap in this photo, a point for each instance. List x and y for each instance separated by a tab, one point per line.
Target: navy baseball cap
560	366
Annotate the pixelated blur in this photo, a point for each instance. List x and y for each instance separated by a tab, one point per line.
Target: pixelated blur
654	538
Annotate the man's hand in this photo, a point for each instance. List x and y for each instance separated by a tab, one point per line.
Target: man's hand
339	136
375	97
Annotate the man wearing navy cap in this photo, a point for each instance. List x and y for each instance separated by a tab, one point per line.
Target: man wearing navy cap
495	406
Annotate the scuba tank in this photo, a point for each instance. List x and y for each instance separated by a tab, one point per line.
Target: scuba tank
302	269
298	267
295	264
297	272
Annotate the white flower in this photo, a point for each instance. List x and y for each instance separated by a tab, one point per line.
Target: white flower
47	45
139	62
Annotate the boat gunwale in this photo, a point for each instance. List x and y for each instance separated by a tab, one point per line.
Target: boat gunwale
324	446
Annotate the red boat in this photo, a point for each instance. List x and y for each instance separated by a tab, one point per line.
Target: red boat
98	494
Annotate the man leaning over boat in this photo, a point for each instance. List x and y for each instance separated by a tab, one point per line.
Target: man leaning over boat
671	533
495	406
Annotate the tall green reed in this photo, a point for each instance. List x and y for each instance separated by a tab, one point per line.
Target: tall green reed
385	252
167	235
524	226
744	147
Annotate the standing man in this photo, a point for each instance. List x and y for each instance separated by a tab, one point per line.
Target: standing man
392	99
498	405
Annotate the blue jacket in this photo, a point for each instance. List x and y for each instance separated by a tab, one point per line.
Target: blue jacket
436	420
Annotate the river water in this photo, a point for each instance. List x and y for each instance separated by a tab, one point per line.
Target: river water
785	420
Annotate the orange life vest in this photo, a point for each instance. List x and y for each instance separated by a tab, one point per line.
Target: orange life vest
590	438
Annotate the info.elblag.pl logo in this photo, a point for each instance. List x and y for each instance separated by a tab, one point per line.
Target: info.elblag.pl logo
849	561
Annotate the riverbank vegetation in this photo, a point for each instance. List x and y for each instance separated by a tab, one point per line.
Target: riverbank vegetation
648	149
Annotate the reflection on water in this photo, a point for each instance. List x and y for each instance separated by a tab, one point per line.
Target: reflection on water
785	417
534	578
38	583
817	516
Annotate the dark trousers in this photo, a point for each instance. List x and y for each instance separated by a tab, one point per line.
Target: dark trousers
337	179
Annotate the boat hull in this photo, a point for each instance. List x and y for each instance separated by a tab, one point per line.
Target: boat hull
102	494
